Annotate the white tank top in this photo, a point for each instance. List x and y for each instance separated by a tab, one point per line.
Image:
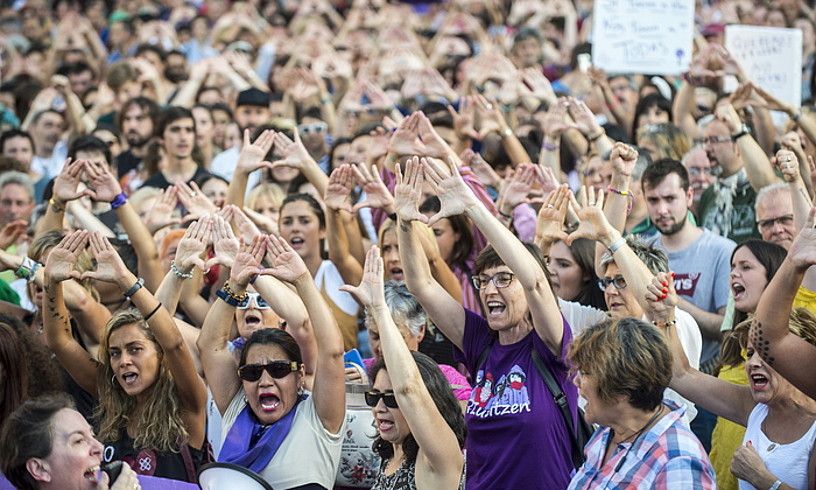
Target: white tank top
789	462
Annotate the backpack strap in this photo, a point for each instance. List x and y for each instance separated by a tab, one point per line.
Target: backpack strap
561	401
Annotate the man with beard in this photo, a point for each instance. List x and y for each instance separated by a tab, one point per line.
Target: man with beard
699	258
136	121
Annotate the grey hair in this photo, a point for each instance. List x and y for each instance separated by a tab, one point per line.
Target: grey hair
654	258
405	309
19	178
770	190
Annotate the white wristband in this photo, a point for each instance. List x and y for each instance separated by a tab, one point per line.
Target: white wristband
776	485
616	245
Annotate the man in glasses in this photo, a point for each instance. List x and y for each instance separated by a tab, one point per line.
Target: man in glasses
314	132
727	207
774	214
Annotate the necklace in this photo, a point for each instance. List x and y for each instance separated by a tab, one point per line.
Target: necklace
635	435
634	438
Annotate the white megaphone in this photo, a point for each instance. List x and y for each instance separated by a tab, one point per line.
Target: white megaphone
217	476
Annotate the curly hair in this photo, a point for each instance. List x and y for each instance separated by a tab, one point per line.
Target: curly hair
160	427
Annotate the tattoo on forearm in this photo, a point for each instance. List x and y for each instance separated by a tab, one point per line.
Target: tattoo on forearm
761	344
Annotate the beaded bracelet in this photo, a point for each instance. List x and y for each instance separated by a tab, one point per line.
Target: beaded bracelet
178	272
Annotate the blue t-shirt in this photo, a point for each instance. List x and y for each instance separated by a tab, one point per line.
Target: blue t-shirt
517	437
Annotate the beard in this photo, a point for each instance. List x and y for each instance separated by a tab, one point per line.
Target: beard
672	228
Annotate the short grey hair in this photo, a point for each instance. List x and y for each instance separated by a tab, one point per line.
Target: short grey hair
770	190
654	258
19	178
405	309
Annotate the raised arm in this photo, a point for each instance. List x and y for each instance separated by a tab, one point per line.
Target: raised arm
60	267
189	253
189	386
791	356
338	207
457	198
757	166
294	155
446	313
727	400
329	388
64	190
437	442
106	188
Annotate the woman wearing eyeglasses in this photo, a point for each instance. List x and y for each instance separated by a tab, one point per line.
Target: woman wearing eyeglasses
271	425
420	447
511	412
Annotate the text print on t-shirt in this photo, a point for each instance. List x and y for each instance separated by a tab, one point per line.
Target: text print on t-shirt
491	398
686	284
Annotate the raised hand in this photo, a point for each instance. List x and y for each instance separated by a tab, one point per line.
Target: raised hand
377	194
584	118
66	183
661	298
728	115
293	153
12	232
446	182
534	82
370	293
338	192
264	223
464	121
556	120
103	185
286	263
109	265
802	251
247	263
623	158
416	136
788	164
593	224
408	191
192	245
162	211
62	258
551	216
517	188
225	245
246	228
193	200
253	153
491	119
486	174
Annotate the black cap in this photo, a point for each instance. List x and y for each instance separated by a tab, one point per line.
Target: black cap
253	96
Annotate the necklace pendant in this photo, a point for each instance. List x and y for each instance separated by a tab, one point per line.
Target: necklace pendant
771	447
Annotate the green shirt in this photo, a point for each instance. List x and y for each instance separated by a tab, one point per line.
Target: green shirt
743	216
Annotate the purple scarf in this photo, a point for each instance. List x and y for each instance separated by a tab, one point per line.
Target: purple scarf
236	447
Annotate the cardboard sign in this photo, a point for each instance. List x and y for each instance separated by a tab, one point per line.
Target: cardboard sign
771	58
643	36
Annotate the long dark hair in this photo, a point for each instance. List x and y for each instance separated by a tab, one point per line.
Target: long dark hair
583	251
442	395
273	336
771	256
14	386
647	102
463	248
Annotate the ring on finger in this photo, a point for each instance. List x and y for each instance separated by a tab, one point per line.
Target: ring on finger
193	194
550	206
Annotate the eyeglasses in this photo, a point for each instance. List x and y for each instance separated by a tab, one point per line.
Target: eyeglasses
710	140
769	223
697	171
618	281
276	369
260	303
318	127
500	280
372	398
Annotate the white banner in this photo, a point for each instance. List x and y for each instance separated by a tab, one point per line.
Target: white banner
643	36
771	58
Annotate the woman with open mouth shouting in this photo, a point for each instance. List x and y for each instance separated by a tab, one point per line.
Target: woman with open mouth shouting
780	420
420	447
511	406
152	401
271	425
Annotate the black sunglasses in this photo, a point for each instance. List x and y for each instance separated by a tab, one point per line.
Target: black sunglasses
276	369
388	398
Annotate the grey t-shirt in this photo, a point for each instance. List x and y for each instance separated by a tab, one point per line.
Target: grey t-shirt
701	276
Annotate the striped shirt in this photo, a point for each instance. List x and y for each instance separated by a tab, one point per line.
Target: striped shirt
667	456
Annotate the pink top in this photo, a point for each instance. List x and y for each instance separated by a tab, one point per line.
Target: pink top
459	384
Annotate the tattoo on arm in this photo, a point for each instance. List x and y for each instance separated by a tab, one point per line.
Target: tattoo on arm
761	344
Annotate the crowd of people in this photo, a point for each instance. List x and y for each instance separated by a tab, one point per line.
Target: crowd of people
399	245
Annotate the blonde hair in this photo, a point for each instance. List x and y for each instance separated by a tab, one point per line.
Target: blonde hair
667	138
270	191
160	424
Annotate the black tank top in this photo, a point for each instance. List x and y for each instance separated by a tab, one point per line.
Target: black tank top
182	465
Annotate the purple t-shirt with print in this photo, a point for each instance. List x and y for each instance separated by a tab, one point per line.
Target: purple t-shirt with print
517	437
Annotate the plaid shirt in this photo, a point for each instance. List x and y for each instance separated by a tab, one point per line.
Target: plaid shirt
667	456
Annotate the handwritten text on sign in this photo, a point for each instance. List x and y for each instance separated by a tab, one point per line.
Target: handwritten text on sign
643	36
771	57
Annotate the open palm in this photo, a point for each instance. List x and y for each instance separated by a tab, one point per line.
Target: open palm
287	265
370	292
408	192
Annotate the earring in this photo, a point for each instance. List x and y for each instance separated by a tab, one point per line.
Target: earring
113	379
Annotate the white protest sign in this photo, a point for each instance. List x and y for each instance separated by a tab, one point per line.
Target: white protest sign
771	58
643	36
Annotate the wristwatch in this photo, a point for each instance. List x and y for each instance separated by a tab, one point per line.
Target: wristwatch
744	129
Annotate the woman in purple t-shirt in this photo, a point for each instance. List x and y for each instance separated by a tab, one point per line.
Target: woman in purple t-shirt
517	437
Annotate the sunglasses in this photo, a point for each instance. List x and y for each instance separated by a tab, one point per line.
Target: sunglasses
260	303
276	369
618	281
500	280
318	127
372	398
